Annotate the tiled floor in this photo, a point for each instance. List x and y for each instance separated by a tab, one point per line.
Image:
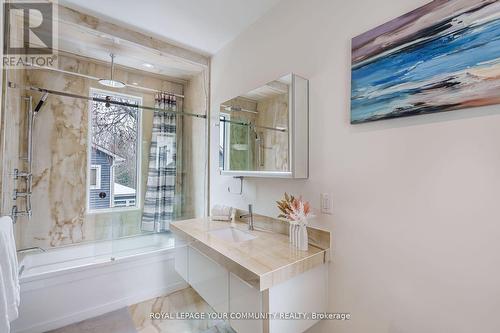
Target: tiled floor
114	322
137	317
184	301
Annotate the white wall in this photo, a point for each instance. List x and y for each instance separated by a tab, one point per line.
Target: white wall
416	200
1	53
1	94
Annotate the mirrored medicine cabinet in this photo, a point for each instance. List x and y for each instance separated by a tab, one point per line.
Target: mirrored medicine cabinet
265	132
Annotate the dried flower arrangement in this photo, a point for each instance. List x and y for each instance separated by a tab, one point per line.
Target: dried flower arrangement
293	209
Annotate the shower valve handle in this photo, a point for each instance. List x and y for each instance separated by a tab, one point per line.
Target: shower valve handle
19	174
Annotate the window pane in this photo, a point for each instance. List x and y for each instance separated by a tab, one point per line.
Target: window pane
114	138
93	177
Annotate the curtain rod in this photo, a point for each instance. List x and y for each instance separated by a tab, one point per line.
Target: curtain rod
97	79
101	100
278	129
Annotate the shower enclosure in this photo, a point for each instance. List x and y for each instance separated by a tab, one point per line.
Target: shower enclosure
77	143
97	155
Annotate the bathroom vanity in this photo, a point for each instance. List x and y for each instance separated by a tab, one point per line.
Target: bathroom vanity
263	132
238	271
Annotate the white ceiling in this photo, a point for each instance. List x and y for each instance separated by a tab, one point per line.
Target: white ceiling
202	25
85	42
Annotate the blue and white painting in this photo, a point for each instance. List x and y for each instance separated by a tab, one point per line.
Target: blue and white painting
442	56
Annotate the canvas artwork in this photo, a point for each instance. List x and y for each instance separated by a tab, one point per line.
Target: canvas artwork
442	56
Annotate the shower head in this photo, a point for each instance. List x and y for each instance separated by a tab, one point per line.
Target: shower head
110	82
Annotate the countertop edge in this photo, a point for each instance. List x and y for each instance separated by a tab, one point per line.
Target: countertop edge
260	281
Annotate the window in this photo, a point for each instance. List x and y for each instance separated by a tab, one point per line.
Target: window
95	177
114	152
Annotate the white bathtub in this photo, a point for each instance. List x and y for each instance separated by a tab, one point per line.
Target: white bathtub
69	284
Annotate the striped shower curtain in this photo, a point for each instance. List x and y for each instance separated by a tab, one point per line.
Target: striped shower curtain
160	202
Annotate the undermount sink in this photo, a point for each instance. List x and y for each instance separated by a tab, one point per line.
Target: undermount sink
232	235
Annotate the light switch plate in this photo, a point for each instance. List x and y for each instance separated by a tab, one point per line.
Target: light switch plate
326	203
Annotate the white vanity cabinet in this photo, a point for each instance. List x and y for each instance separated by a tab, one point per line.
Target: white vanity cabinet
244	298
181	261
304	293
209	279
226	292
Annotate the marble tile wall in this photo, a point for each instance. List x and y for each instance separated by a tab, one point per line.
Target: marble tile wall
273	112
60	152
195	147
12	142
241	157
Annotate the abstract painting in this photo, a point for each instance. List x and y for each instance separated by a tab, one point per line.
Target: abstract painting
442	56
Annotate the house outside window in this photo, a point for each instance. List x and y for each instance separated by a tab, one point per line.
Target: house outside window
114	153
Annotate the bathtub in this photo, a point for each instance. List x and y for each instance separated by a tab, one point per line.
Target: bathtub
68	284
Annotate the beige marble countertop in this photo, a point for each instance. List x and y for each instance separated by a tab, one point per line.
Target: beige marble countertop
263	262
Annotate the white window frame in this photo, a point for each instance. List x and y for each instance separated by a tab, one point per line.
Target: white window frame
97	185
138	192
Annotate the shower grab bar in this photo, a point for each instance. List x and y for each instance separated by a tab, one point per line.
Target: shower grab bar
31	124
30	131
102	100
15	213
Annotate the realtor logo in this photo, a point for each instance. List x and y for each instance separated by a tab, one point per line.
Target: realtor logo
29	33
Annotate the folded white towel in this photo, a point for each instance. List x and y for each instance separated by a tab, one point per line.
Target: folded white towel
221	213
9	275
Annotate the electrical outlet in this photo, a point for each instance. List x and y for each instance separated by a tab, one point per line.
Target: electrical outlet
326	203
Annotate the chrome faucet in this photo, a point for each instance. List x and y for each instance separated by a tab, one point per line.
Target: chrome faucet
249	216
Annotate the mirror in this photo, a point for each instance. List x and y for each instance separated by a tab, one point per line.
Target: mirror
264	132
